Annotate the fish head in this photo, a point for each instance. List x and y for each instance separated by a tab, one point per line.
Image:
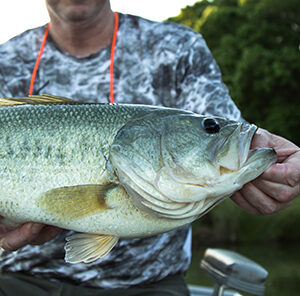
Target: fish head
181	165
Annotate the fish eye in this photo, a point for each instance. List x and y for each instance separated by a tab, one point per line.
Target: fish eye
210	125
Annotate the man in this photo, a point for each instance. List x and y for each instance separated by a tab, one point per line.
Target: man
153	63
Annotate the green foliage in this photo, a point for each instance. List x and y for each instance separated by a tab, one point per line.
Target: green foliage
282	226
227	223
256	44
190	14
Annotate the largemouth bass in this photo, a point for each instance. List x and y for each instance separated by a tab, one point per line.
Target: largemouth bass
117	171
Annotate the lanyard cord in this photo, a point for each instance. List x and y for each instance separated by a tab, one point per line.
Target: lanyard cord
111	68
36	66
112	55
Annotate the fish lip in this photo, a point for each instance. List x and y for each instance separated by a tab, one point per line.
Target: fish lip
269	153
247	133
246	153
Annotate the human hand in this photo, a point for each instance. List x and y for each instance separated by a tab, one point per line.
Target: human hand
12	239
276	188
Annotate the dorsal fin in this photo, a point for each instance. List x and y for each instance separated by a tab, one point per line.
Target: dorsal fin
43	99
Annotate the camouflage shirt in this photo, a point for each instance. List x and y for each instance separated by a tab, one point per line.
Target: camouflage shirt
155	63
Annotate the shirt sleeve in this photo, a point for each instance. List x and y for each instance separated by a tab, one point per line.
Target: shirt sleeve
201	89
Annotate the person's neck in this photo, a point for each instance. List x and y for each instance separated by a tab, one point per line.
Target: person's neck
83	38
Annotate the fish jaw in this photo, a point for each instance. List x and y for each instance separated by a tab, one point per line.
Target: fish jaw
258	161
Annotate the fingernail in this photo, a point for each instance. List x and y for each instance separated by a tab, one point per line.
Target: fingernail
36	228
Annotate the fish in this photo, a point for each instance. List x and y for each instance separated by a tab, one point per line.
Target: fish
117	171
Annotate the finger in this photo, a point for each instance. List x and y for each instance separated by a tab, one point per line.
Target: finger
4	229
20	236
265	204
46	234
240	200
282	193
287	173
283	154
262	138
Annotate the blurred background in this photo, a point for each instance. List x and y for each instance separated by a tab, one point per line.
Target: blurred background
257	46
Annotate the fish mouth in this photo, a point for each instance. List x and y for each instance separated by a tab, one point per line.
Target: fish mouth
238	143
252	163
231	153
236	171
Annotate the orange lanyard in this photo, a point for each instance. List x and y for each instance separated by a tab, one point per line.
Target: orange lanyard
111	68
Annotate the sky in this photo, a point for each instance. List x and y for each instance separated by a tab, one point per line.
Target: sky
16	16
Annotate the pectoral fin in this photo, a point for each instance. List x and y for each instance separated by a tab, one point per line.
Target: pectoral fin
76	201
87	248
